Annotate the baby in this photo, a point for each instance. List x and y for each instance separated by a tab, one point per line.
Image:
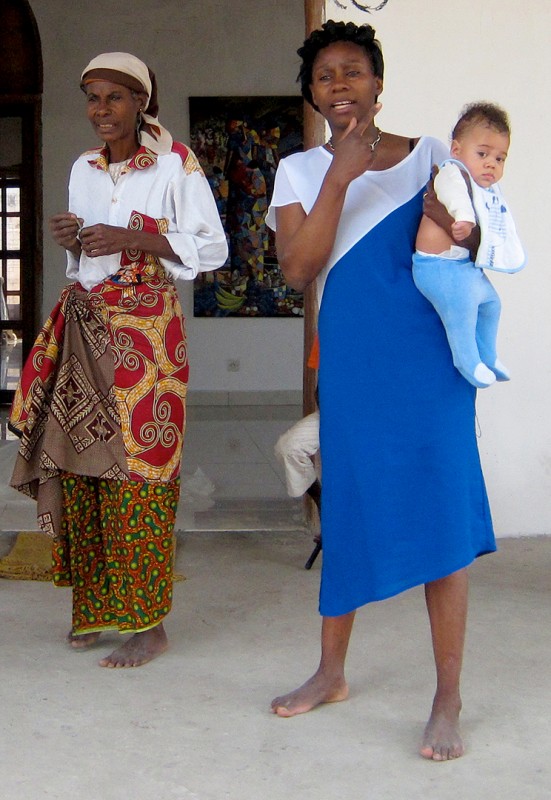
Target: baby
443	271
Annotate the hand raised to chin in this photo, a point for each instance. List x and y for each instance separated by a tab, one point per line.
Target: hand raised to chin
355	150
363	125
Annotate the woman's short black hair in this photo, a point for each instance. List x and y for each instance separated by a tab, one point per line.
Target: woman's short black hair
329	33
488	114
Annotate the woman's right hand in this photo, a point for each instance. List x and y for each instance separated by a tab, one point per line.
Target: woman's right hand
353	153
305	241
64	229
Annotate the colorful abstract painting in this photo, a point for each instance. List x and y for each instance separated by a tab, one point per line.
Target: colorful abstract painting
239	142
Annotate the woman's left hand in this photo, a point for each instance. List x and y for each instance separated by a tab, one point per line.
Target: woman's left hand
104	240
435	210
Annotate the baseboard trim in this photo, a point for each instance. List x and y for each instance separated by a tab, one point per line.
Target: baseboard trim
274	398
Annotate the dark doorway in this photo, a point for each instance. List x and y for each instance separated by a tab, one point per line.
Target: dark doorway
20	189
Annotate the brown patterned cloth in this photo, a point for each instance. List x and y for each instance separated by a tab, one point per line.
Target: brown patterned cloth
65	407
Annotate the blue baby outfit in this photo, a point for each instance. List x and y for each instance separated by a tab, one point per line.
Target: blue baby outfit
464	298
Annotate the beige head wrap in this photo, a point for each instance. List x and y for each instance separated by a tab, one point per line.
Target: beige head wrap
127	70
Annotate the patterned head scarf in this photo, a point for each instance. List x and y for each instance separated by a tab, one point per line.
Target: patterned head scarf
127	70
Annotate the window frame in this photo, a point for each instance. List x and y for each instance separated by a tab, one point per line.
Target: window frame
28	108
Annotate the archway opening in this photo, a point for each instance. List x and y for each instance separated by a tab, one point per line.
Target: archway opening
20	189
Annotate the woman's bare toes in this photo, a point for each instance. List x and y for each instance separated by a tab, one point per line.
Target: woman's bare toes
82	641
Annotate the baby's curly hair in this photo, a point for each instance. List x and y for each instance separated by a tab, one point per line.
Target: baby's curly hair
488	114
331	32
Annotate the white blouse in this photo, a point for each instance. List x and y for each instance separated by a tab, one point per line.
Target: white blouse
171	188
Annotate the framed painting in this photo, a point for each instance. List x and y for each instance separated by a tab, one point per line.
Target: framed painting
239	142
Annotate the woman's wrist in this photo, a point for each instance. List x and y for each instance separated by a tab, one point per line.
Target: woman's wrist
75	249
335	181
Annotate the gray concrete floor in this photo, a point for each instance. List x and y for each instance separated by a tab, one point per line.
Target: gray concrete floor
195	724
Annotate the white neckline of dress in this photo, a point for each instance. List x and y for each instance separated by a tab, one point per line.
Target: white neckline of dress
381	171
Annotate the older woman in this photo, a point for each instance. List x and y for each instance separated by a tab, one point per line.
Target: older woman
101	402
404	501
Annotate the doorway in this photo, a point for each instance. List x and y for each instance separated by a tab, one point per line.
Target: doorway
20	190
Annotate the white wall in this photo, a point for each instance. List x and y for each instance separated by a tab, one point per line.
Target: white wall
195	47
439	56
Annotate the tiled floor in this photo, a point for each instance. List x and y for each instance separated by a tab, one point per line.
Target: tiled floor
231	479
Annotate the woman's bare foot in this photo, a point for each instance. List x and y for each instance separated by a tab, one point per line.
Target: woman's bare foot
317	690
442	740
82	641
139	649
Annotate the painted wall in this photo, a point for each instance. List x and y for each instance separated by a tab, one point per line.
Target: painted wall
497	50
196	47
439	56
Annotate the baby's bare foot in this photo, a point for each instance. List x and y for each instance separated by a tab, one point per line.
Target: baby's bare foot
317	690
138	650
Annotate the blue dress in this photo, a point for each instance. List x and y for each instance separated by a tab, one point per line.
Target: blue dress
404	501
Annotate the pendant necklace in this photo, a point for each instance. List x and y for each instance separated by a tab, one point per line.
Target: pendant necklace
372	144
